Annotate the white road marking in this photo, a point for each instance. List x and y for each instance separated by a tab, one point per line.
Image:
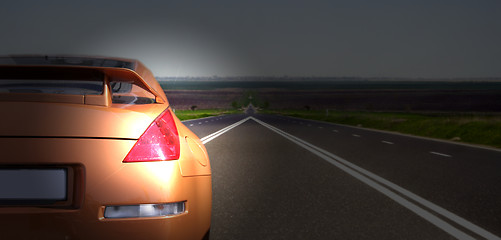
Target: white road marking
211	136
355	135
191	125
441	154
383	186
387	142
335	130
199	123
320	127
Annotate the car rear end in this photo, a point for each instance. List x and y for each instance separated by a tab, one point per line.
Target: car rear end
94	152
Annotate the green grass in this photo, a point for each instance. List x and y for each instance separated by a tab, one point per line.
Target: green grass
189	114
475	128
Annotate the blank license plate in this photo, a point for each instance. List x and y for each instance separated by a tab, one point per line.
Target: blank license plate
33	184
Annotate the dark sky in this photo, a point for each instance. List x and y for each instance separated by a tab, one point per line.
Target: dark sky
386	38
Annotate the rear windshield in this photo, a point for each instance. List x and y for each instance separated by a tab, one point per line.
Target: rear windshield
48	81
71	82
74	87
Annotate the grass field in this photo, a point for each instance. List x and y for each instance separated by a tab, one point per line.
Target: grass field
189	114
468	112
475	128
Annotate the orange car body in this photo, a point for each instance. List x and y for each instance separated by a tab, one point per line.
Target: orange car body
88	138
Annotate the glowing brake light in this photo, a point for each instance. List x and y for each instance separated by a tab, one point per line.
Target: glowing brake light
160	141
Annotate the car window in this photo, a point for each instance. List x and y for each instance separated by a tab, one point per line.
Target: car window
71	81
74	87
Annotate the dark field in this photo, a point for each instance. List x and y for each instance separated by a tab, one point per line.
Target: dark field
386	100
203	99
328	83
353	96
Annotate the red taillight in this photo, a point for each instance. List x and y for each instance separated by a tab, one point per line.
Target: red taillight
159	142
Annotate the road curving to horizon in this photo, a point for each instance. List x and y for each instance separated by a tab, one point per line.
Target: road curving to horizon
278	177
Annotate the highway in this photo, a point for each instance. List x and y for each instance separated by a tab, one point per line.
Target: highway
278	177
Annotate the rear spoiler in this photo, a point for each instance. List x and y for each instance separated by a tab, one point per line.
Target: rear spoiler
104	74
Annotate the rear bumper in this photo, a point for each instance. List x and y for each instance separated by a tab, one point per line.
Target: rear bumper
87	222
106	182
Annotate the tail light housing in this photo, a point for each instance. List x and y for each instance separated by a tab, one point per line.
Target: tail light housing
160	141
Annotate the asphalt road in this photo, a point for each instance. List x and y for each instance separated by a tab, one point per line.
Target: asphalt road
277	177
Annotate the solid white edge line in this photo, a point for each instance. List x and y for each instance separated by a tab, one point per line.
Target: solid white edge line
471	145
351	169
333	160
216	134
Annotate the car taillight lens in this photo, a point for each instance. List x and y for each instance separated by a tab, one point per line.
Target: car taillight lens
159	142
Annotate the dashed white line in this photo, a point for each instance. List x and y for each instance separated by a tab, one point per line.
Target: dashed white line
387	142
191	125
441	154
335	130
380	184
390	190
320	127
355	135
199	123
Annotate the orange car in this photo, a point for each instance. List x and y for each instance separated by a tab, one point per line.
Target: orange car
90	149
